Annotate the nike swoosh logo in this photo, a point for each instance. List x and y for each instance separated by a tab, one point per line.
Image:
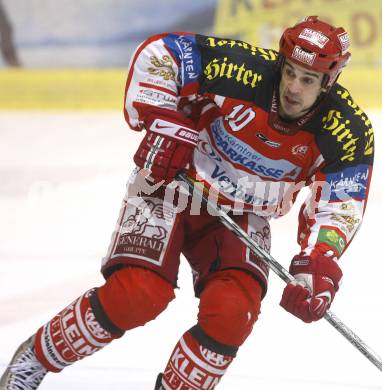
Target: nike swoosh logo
169	128
174	130
324	299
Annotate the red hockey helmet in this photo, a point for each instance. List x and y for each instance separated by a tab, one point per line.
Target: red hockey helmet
318	46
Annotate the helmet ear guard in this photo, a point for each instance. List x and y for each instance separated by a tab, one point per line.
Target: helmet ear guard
318	46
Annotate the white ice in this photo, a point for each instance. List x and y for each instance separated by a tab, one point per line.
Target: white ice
62	180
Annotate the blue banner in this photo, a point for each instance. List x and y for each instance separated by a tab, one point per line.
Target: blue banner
96	33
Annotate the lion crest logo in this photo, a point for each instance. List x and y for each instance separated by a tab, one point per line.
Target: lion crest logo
142	221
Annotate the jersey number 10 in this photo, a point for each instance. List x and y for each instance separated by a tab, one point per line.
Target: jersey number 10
240	118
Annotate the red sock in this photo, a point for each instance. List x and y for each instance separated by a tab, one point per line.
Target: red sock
71	335
197	362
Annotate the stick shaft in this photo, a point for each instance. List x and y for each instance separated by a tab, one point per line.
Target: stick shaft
281	271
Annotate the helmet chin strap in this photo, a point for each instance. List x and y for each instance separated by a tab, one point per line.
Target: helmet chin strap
323	93
320	98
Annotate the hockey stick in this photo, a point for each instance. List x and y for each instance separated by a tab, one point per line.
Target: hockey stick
279	269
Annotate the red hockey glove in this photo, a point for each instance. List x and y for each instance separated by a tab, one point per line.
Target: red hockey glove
317	281
166	148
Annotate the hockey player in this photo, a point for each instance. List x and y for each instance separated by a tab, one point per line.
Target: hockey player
253	126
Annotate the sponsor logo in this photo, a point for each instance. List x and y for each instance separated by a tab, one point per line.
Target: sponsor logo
300	150
50	348
186	48
301	262
220	68
241	190
269	55
140	235
369	144
187	135
348	221
205	148
347	207
332	238
267	141
156	97
328	280
349	183
214	358
67	336
338	126
241	153
94	327
158	126
369	133
322	300
314	37
160	82
173	130
262	240
344	41
303	56
163	67
183	372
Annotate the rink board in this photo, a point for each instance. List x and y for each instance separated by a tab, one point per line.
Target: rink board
89	89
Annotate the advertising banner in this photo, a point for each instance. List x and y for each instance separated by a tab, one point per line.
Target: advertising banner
261	22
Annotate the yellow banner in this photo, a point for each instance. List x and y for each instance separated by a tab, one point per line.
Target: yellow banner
62	89
261	22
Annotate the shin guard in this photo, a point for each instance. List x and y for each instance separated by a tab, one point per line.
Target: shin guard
71	335
197	362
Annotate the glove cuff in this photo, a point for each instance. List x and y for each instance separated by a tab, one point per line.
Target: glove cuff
317	265
172	125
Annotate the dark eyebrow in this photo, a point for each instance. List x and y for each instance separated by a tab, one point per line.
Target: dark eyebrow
306	73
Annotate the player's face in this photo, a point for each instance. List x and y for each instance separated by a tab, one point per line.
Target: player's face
299	89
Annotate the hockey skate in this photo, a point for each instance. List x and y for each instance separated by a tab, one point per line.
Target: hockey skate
24	371
158	383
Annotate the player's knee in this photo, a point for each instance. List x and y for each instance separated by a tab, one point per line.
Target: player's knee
229	306
133	296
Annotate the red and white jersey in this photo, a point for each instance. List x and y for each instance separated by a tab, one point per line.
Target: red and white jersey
252	158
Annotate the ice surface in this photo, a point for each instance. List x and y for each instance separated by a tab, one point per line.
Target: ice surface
62	180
